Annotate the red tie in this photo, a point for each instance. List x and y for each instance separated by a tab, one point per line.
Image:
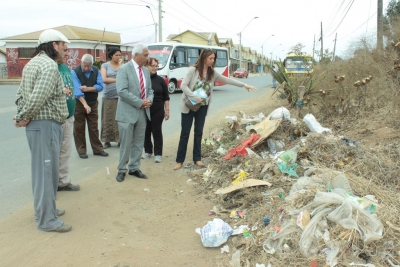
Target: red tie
142	90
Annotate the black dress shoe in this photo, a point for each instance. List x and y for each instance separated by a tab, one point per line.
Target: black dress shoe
138	174
83	156
120	177
102	153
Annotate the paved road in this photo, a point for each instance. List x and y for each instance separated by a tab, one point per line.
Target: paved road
15	182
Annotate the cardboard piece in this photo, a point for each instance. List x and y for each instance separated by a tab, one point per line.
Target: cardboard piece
265	128
241	185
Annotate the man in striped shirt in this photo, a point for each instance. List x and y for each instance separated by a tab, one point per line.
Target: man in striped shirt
42	109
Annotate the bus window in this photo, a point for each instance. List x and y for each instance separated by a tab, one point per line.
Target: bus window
161	53
193	55
222	59
178	59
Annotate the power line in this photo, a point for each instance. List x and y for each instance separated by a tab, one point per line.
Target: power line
131	28
204	16
108	2
362	24
341	20
174	16
330	26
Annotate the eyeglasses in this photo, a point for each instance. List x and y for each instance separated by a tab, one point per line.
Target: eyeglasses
154	66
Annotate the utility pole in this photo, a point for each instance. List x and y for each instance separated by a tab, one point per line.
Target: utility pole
240	49
379	41
262	61
159	21
334	48
313	48
321	57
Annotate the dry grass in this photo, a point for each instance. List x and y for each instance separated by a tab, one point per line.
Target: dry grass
372	166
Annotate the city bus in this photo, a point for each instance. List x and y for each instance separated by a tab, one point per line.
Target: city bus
175	58
298	65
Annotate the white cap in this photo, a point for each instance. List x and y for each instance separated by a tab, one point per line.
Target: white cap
51	35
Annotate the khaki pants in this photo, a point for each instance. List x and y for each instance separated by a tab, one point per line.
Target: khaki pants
68	134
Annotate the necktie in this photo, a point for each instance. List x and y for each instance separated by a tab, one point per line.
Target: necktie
142	90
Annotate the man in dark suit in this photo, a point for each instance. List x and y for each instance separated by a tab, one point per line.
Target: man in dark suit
88	82
135	98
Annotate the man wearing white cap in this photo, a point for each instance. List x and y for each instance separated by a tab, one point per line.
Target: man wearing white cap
42	109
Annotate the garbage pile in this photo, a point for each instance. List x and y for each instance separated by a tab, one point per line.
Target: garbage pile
285	196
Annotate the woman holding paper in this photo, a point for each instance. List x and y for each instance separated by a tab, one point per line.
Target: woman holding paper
200	76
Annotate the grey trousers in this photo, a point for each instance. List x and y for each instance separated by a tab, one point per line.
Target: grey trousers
131	136
44	139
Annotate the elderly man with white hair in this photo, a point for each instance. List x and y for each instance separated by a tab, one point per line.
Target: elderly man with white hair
135	98
88	82
42	109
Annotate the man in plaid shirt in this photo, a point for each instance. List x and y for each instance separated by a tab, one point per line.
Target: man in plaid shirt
42	109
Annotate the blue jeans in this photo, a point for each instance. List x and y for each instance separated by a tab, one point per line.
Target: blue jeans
273	83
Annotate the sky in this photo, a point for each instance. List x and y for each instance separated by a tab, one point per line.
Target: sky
279	25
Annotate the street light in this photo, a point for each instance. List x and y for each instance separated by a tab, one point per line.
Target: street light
273	51
262	53
240	42
155	24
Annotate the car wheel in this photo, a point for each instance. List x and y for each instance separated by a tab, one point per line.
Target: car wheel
171	87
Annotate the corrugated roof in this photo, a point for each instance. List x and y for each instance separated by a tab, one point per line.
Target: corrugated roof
74	33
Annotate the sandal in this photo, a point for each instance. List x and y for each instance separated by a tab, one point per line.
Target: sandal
178	165
199	163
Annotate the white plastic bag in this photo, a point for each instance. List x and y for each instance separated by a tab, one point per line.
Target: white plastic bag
278	113
199	93
314	125
214	233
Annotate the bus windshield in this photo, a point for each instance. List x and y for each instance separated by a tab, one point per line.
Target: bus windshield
161	53
298	64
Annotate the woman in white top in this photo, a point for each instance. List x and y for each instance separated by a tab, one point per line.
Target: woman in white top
200	75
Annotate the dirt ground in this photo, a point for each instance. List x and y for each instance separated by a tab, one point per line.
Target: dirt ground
135	223
139	222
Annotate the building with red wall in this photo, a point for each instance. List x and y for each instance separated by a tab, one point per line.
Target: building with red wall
20	48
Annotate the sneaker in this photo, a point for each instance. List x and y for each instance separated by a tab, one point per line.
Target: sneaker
60	212
157	159
62	229
146	156
70	187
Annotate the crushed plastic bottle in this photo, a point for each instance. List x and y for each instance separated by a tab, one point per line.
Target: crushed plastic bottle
290	156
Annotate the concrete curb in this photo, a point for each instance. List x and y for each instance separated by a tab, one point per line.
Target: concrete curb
10	81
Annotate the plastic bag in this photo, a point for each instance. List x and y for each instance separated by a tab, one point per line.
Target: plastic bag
308	245
280	113
314	125
288	169
368	225
235	261
199	93
214	233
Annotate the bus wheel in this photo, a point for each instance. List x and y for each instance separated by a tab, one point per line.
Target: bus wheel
171	87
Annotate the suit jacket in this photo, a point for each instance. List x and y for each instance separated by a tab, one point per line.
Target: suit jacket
128	89
189	81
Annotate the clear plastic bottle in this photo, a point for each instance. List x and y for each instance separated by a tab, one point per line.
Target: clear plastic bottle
290	156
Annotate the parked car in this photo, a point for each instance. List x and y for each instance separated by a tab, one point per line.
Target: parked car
240	73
